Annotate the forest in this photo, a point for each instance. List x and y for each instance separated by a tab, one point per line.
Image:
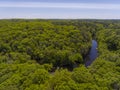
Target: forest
38	54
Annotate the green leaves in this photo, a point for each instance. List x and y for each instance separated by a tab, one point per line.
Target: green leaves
82	75
30	50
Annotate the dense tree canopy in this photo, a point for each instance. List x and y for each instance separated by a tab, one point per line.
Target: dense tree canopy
39	54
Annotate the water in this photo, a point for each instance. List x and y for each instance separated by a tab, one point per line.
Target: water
92	54
89	59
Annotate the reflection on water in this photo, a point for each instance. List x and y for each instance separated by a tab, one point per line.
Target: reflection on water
92	54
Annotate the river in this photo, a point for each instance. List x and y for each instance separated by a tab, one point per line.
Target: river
92	54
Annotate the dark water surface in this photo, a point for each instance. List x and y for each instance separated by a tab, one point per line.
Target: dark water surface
92	54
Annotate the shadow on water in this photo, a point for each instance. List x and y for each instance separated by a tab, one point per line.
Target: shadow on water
92	54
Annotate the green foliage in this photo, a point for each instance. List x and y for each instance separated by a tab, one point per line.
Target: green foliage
31	50
82	75
43	41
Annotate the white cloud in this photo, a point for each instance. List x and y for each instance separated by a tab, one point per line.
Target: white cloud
60	5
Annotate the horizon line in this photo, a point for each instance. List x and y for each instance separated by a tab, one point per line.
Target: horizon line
62	18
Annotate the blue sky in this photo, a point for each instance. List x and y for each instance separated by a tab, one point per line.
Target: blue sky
61	9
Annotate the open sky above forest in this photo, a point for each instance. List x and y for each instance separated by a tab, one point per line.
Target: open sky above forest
60	9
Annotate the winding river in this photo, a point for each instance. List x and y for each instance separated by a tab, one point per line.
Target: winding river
92	54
